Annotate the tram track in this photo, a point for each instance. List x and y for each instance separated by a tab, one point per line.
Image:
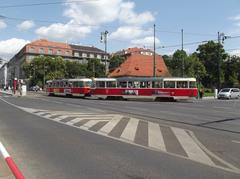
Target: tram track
145	116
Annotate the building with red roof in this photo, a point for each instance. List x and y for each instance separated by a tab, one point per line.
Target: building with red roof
139	63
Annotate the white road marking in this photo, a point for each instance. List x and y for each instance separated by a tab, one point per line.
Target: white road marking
193	151
59	118
90	123
74	121
155	138
107	128
235	141
130	130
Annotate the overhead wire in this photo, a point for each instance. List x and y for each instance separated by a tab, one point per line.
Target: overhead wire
45	3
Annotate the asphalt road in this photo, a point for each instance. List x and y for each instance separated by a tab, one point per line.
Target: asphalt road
46	148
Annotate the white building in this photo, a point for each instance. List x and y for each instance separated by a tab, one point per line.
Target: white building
3	76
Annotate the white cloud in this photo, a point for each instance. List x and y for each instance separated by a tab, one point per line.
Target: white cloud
8	48
126	33
25	25
235	18
235	52
148	41
86	17
93	13
2	24
67	31
127	15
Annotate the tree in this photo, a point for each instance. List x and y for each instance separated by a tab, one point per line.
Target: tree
231	68
175	62
43	68
75	69
95	68
210	54
115	62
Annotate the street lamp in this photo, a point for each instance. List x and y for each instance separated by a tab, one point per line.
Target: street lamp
104	40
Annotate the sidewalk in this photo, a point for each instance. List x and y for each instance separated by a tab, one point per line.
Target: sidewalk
7	92
5	172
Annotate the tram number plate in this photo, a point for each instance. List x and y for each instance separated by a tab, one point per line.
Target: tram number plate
67	91
130	92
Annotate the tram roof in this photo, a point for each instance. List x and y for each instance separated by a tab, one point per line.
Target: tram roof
104	79
155	79
80	79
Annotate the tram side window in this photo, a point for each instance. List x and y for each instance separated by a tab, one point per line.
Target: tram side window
192	84
157	84
61	84
100	84
57	84
75	84
111	84
169	84
122	84
182	84
80	84
88	84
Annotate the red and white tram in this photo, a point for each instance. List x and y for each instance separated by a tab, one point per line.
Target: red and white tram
149	88
69	87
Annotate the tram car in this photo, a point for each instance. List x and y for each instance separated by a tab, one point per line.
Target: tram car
69	87
157	88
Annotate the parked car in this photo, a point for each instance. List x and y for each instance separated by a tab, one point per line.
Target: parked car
35	88
229	93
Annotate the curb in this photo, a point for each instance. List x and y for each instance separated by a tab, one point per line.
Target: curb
11	164
7	93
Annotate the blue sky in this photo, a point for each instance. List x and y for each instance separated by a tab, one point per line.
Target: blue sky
129	23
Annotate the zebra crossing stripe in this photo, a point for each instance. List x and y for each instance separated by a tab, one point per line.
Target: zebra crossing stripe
106	129
72	122
155	138
193	151
90	124
49	115
60	118
130	130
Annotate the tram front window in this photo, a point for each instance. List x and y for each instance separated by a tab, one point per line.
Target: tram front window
192	84
88	83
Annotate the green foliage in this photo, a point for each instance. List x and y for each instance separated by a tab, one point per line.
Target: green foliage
192	65
115	62
231	69
95	68
210	54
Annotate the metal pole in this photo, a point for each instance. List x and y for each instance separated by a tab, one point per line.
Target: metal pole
183	65
105	42
154	52
219	56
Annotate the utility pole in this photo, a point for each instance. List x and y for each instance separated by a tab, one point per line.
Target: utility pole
183	65
221	38
154	51
104	40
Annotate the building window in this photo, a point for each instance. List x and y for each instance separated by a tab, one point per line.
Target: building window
50	51
91	55
67	53
76	54
41	50
32	49
84	55
99	56
59	52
